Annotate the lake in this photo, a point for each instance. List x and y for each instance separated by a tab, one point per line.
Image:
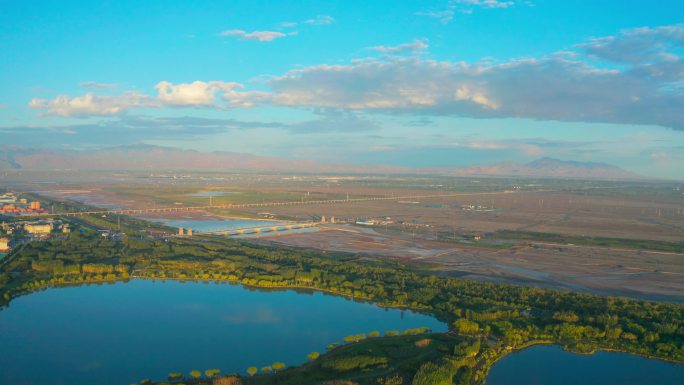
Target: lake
211	193
212	223
551	365
121	333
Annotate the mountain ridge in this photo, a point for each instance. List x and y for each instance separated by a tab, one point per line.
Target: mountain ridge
158	158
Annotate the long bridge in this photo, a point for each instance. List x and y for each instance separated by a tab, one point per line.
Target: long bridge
252	205
263	229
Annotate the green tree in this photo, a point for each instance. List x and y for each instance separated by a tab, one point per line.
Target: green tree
229	380
175	376
467	349
391	380
354	362
464	326
565	316
252	370
278	366
434	374
313	356
195	374
464	376
354	338
212	372
613	333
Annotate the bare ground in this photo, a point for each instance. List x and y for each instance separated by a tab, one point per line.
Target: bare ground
641	274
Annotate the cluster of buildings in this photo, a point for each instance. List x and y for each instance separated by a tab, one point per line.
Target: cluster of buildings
327	220
478	208
4	245
34	229
185	233
10	204
18	232
384	221
110	234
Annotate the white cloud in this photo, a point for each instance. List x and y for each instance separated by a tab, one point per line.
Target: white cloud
263	36
652	52
445	16
645	87
417	46
371	84
465	93
97	85
487	3
396	84
197	93
91	105
320	20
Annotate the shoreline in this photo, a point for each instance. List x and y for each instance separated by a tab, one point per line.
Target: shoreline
449	330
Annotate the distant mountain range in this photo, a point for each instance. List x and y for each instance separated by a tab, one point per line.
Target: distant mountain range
549	167
155	158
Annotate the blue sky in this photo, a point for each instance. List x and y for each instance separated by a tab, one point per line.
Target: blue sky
412	83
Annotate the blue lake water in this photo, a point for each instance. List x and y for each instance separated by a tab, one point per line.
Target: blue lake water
121	333
551	365
212	223
211	193
219	224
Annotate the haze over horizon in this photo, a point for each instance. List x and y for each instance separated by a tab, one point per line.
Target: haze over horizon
409	84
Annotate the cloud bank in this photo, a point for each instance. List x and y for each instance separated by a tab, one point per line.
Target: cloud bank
446	15
635	77
320	20
417	46
263	36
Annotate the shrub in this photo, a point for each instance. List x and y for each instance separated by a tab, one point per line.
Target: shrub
175	376
195	374
434	374
230	380
342	364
